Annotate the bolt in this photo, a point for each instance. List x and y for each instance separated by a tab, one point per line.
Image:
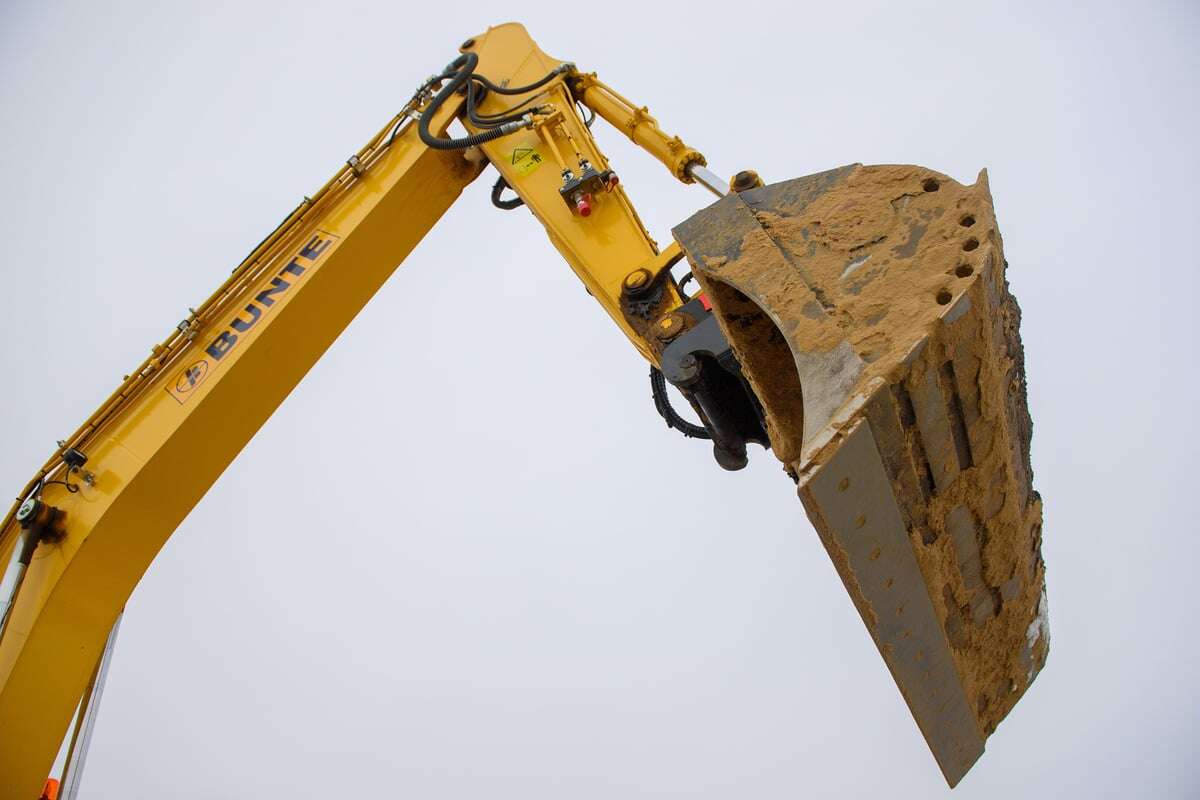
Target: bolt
670	326
746	180
687	361
638	279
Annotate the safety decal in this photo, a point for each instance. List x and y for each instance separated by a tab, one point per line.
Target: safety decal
526	159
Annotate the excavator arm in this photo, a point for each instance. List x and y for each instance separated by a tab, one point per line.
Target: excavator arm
88	525
886	391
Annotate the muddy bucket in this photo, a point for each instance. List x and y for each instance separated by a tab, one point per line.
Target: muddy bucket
870	314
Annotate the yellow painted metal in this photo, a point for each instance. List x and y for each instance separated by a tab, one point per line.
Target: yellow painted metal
602	248
636	123
165	435
156	453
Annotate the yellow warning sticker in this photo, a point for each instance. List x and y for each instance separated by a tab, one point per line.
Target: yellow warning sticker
526	159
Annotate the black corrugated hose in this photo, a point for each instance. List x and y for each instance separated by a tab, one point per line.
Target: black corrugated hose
658	386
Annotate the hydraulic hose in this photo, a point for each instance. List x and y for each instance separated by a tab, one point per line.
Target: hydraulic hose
465	66
462	71
475	94
539	83
658	385
498	189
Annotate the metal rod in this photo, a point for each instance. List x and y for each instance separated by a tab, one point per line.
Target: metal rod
89	708
22	555
708	179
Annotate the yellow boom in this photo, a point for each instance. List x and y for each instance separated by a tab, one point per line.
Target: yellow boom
164	436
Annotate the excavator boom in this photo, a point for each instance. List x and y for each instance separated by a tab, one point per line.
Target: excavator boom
88	524
857	322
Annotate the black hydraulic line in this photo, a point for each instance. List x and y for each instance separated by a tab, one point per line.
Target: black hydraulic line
475	95
499	202
684	282
282	222
462	70
588	120
465	64
539	83
412	103
658	386
517	107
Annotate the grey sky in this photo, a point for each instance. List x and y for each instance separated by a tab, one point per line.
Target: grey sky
467	559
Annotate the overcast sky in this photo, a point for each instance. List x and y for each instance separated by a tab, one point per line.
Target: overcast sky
469	560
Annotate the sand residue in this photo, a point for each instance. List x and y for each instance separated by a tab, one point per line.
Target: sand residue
906	266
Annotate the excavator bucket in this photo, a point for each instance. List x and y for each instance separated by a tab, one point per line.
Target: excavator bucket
870	314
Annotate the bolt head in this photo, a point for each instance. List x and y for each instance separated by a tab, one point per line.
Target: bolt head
637	279
670	326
